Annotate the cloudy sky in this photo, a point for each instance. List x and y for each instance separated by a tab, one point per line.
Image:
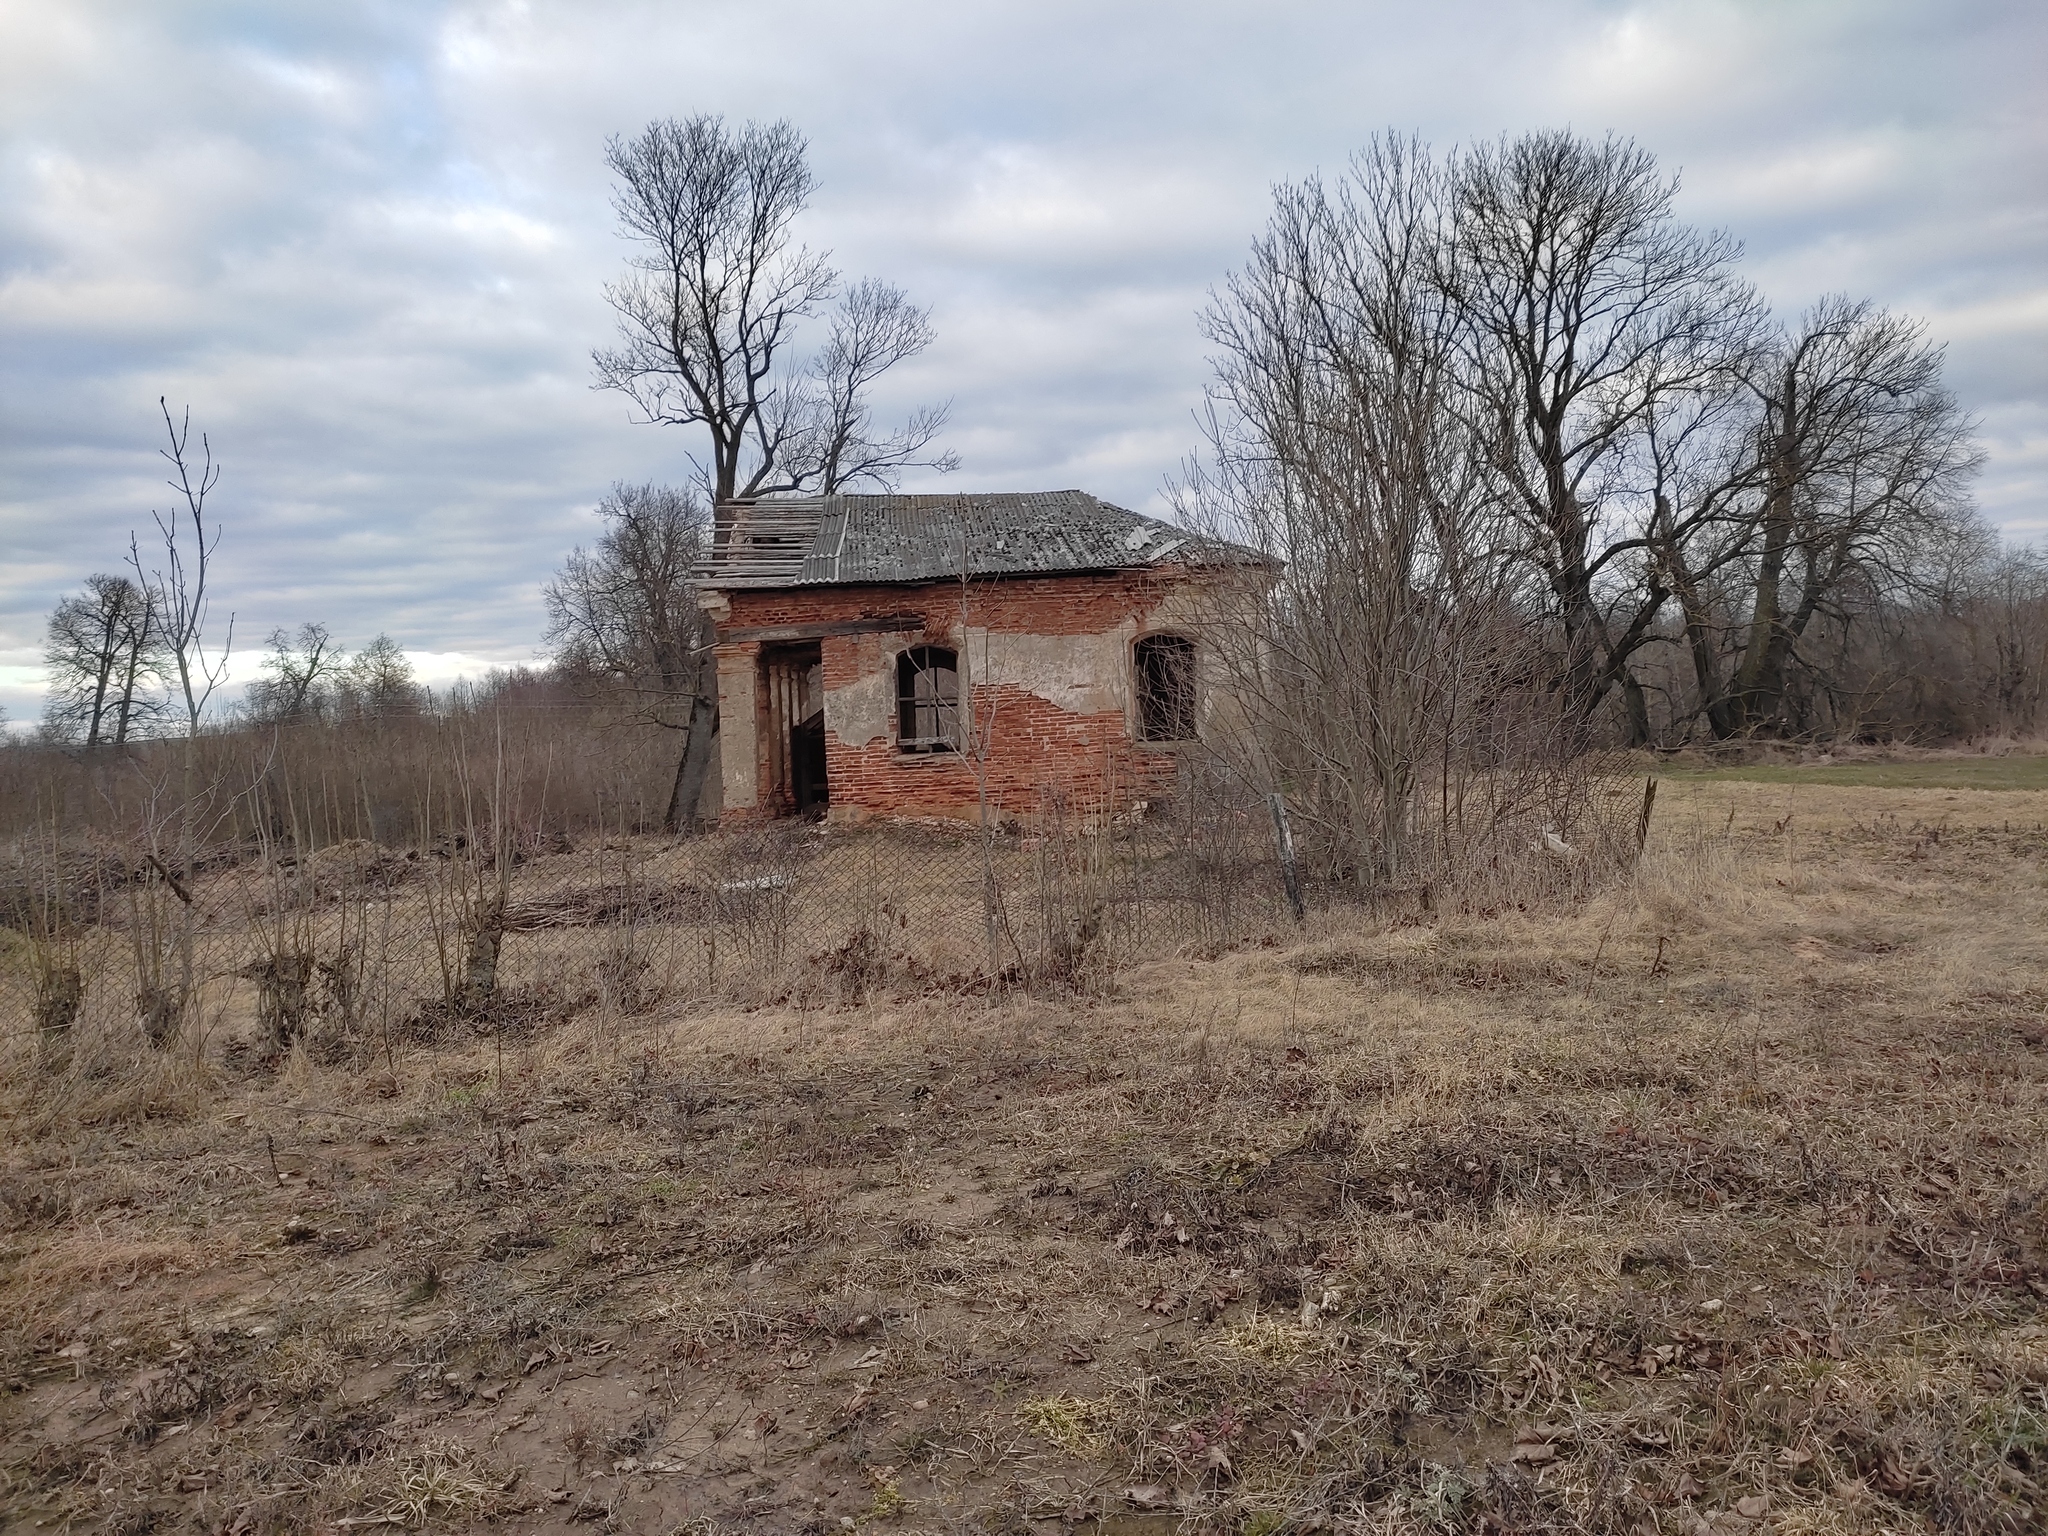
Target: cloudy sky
366	242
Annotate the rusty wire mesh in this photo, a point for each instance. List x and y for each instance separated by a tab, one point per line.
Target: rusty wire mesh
356	949
352	949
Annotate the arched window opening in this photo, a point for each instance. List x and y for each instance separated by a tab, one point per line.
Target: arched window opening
928	699
1166	688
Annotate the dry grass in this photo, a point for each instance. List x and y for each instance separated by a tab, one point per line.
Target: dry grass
1713	1201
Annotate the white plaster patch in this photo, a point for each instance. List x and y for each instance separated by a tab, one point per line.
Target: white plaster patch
1082	674
858	712
738	774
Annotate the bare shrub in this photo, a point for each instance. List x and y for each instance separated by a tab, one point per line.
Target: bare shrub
284	1003
60	991
755	879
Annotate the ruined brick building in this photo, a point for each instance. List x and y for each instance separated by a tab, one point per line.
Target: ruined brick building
927	655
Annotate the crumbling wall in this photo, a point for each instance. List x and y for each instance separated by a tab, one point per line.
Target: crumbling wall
1046	661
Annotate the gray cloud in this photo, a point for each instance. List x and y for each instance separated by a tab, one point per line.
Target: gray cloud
367	243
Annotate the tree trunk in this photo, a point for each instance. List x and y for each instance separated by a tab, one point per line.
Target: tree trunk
1397	817
1759	682
99	700
1584	683
694	768
127	698
1699	640
1638	708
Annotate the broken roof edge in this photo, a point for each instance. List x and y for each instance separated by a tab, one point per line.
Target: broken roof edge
918	539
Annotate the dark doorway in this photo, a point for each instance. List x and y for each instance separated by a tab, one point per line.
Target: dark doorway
807	763
793	696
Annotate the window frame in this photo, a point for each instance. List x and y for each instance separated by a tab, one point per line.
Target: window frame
946	711
1188	711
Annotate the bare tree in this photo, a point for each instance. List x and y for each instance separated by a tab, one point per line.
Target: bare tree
1337	447
1694	462
710	308
1864	456
1583	303
624	615
177	588
303	672
379	682
104	652
2012	624
177	591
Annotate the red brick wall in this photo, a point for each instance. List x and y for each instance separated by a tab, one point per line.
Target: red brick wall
1035	749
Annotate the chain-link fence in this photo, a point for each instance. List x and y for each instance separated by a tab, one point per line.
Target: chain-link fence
356	948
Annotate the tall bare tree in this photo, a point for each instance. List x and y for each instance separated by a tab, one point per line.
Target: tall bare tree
104	653
624	615
1583	303
177	586
176	579
710	308
1864	458
1337	447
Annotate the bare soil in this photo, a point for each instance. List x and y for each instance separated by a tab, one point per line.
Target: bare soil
1716	1202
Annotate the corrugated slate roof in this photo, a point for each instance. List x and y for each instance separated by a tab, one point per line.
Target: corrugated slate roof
863	540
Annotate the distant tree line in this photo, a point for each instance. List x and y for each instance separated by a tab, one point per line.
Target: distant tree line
110	673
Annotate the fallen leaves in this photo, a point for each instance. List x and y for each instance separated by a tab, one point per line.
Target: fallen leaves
1893	1476
549	1355
1315	1307
1536	1444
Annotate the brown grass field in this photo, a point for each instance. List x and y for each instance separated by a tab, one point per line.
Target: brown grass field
1716	1201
